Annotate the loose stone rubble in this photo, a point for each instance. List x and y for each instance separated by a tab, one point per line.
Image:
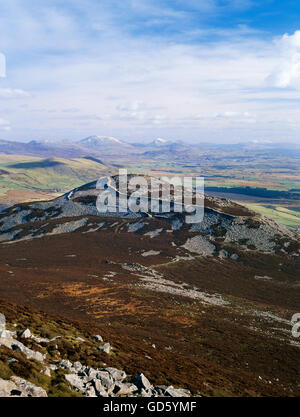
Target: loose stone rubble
90	382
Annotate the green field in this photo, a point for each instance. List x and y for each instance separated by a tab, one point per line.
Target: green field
283	215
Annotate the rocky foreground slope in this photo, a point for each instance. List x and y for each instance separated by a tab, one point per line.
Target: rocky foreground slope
80	378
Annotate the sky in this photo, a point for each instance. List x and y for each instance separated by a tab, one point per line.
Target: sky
220	71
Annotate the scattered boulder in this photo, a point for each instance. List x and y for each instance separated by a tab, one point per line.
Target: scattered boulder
79	339
14	344
105	348
66	364
98	338
235	256
40	339
46	371
26	334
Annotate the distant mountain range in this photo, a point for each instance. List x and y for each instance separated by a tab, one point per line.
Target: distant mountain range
106	146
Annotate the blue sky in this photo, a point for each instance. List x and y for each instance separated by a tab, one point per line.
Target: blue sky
213	70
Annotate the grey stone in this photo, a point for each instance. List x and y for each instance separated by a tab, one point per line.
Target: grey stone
99	389
125	388
106	381
77	366
80	339
29	353
28	389
142	382
46	371
105	348
117	374
40	339
145	393
235	256
26	334
98	338
12	360
5	334
161	389
6	386
90	391
172	392
75	381
66	364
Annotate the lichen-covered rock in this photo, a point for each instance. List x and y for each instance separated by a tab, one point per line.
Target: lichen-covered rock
27	389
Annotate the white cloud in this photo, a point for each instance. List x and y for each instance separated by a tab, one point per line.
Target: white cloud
233	115
81	56
132	106
12	93
2	66
287	71
5	125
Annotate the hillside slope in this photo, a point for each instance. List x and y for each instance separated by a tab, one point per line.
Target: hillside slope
27	178
204	307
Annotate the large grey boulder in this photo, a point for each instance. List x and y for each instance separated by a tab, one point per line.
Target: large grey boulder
29	353
6	387
117	374
99	389
14	344
106	380
90	391
6	334
142	382
27	389
76	382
